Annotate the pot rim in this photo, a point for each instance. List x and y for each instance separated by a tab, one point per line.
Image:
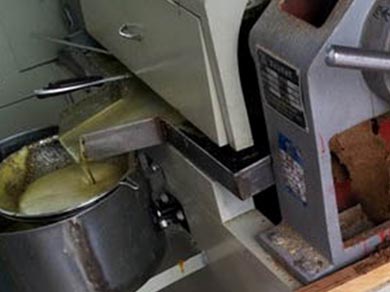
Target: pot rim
64	213
75	215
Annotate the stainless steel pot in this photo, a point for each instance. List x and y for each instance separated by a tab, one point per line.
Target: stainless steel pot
24	166
112	245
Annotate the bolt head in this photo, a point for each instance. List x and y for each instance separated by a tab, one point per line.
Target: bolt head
180	216
164	224
164	198
154	167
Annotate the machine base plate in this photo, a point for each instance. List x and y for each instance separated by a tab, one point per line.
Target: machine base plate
295	253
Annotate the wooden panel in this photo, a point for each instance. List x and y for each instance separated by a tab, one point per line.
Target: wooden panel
373	281
369	275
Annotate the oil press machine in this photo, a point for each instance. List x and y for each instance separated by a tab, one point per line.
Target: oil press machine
322	86
324	82
322	75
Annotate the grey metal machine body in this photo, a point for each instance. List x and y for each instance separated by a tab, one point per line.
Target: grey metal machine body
307	102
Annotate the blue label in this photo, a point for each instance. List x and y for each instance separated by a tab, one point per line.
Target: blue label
292	168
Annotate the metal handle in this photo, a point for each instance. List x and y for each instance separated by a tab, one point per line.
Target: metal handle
69	86
130	183
357	58
131	32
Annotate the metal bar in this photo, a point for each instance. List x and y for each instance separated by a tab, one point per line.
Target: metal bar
357	58
256	178
122	139
244	183
71	44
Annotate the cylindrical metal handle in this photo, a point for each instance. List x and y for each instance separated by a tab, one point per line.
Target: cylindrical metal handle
130	183
64	87
357	58
131	32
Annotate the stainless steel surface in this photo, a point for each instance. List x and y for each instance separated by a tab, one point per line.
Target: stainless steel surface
122	139
71	44
236	262
176	274
255	179
86	246
188	56
244	183
49	92
358	58
182	259
131	32
112	246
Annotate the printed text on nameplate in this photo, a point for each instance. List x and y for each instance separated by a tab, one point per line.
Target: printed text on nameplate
292	168
281	87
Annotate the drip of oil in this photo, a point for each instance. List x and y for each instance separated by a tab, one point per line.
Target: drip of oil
85	165
142	104
83	180
138	103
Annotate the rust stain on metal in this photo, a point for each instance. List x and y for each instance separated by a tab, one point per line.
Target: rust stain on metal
366	235
87	257
182	267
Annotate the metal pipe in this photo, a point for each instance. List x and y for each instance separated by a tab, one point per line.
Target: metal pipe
71	44
357	58
55	90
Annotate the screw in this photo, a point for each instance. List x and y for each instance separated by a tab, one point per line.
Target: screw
180	215
164	224
154	167
164	198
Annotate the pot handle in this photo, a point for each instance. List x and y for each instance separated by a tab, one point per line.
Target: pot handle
75	84
130	183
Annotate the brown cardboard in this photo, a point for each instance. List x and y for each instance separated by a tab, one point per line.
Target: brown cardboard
365	156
